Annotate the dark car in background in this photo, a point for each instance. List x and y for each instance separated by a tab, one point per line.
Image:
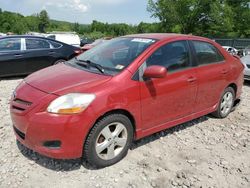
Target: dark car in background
22	55
85	41
95	43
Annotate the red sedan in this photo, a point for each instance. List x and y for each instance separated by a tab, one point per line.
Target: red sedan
122	90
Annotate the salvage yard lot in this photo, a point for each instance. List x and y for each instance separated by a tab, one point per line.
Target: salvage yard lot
205	152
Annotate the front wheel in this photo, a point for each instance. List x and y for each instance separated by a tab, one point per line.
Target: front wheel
108	141
226	103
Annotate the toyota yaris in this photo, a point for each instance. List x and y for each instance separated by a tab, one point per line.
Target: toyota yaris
96	104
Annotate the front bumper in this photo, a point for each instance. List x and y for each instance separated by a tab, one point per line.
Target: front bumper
43	127
34	127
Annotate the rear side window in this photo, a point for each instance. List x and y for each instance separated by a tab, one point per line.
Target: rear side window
33	44
55	44
10	44
52	37
206	53
174	56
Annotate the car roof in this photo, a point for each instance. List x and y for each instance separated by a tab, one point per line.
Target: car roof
29	36
22	36
32	36
163	36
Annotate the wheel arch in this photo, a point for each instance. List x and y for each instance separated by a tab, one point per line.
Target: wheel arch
119	111
234	86
88	153
115	111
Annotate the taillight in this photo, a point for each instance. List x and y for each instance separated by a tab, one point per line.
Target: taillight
78	52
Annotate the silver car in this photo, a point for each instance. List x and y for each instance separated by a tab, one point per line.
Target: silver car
246	61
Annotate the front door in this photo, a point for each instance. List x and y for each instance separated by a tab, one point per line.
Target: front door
172	97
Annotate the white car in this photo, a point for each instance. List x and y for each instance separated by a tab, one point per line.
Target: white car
246	61
2	34
246	51
68	38
231	50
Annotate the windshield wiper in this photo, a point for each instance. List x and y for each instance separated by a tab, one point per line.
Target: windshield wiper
90	63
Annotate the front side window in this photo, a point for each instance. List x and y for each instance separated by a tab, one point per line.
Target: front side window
174	56
33	44
115	55
10	44
206	53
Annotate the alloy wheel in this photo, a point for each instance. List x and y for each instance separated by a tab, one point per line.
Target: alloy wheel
111	141
226	103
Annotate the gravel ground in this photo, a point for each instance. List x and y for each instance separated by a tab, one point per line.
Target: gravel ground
205	152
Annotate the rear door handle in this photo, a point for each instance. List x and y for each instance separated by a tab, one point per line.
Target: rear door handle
18	55
191	79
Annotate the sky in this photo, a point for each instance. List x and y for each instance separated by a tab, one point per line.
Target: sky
84	11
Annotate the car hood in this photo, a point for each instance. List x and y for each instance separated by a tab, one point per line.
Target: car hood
61	79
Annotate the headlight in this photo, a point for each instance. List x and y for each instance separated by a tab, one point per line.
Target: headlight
72	103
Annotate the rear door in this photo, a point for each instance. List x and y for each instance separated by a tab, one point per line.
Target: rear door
212	73
12	56
39	54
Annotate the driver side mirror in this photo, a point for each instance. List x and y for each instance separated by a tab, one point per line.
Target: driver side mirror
155	71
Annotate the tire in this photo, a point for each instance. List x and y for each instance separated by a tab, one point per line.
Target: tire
59	61
226	103
108	141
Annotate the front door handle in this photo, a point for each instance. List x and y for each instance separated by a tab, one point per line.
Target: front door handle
191	79
224	71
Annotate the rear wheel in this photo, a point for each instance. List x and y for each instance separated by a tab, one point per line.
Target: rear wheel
226	103
108	141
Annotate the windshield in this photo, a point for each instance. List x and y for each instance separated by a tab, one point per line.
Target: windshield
115	55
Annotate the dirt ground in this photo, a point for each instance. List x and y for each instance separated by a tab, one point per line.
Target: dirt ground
205	152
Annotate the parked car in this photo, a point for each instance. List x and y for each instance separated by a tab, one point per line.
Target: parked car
22	55
95	43
85	41
246	51
2	34
246	61
130	87
231	50
68	38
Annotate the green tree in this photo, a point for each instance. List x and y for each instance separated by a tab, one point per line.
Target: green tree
220	18
32	23
43	21
76	27
241	16
149	28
